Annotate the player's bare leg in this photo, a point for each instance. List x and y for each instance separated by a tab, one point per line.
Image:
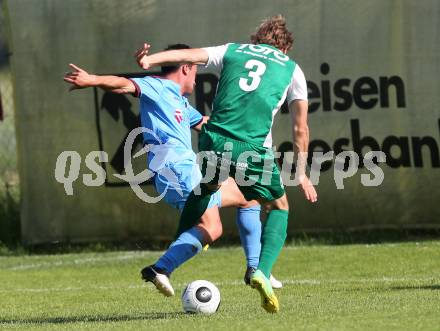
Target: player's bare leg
211	225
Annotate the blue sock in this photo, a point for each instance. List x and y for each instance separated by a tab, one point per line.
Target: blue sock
249	227
187	245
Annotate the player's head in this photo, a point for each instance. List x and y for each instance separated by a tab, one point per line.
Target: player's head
273	31
187	72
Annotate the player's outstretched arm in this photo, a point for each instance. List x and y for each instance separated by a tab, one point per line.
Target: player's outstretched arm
299	109
79	78
193	55
198	127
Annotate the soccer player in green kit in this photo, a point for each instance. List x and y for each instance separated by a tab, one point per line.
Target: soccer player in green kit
255	80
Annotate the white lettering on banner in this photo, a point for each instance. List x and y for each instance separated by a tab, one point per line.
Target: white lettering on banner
96	168
74	167
73	173
341	171
217	163
376	171
146	174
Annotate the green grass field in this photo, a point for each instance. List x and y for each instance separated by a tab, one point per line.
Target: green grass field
347	287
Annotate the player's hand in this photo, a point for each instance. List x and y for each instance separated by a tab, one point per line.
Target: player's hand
308	189
141	56
79	78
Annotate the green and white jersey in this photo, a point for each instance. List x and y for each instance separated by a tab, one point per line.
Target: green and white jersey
254	82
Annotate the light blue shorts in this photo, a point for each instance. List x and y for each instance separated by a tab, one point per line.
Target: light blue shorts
177	180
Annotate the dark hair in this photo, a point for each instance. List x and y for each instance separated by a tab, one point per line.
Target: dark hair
167	69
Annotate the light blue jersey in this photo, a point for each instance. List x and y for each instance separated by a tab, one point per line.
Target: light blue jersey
169	115
165	111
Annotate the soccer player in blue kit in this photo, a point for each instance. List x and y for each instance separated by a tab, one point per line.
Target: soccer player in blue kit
165	110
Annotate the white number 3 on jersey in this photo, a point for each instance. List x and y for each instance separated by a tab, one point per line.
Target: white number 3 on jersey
257	69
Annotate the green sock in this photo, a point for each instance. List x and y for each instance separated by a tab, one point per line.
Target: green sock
195	207
272	239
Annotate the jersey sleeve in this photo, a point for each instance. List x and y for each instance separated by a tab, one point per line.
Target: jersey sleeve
215	56
147	87
194	117
298	86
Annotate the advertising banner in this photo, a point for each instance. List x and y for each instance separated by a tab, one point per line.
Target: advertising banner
372	70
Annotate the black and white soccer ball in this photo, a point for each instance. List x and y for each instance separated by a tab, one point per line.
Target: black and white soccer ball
201	296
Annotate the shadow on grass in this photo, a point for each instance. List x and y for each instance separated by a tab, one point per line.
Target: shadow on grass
105	318
161	243
416	287
383	288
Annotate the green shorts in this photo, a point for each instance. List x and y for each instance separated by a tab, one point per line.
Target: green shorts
253	167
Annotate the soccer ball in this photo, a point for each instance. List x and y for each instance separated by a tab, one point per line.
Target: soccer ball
201	296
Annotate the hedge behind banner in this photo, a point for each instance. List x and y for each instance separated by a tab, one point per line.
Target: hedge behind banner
372	68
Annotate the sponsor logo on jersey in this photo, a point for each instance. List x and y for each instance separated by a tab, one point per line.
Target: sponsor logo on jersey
263	52
178	115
